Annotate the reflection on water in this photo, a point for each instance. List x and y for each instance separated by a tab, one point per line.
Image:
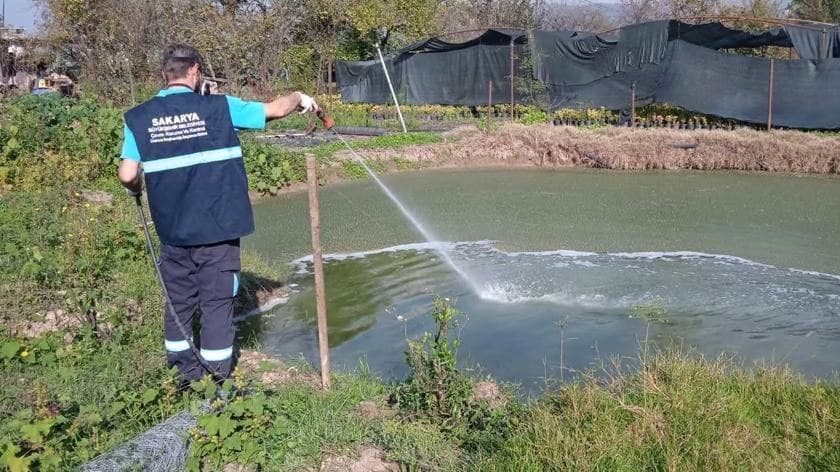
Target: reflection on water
512	329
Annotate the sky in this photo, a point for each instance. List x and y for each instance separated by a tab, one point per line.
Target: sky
21	13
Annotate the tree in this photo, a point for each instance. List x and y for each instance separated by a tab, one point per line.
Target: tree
640	11
243	41
575	17
457	15
827	11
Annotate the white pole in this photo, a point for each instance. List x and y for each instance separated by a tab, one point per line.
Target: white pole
388	78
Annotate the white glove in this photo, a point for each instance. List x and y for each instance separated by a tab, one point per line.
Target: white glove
307	103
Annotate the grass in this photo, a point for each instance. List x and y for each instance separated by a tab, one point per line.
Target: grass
388	141
679	412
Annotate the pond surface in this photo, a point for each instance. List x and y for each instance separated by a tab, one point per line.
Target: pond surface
593	262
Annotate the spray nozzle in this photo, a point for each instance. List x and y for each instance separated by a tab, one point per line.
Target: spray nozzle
326	120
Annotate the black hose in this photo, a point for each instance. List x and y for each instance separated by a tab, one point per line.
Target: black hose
156	261
360	131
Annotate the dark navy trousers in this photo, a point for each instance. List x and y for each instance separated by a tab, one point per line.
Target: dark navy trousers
202	279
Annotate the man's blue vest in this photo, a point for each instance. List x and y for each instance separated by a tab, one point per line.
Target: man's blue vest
195	175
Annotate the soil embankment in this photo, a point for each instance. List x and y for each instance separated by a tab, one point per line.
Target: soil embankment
621	149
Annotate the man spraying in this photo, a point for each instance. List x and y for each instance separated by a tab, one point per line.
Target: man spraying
198	197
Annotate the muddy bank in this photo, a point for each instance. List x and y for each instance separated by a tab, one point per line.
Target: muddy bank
621	149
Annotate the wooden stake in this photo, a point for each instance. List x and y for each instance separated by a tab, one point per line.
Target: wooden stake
770	98
633	105
489	104
318	263
512	107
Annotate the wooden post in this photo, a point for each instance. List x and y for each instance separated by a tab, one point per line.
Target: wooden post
633	105
330	77
770	98
823	46
318	263
489	104
512	102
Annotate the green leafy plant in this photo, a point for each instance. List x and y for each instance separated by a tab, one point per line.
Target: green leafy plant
354	170
534	117
232	431
51	140
270	168
55	433
435	388
650	312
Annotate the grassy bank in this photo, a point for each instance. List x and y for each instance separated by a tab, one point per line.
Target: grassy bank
81	351
626	149
679	412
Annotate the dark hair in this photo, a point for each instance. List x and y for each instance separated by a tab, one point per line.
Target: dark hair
177	59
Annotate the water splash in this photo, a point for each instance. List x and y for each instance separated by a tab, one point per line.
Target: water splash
438	246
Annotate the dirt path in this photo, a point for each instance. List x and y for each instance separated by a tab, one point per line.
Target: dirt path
626	149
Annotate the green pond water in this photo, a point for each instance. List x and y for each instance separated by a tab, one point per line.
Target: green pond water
720	262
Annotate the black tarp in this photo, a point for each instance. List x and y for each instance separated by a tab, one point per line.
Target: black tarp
491	37
586	58
802	95
436	71
812	42
717	36
661	61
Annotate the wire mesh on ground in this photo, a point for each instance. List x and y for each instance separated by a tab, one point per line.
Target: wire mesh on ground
161	449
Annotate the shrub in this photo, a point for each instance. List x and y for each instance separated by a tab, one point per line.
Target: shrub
271	168
435	387
47	141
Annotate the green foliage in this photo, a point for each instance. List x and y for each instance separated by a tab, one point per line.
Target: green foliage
283	428
271	168
388	141
585	114
650	312
411	19
20	353
48	141
534	117
822	10
680	412
61	241
382	116
528	86
437	391
79	399
418	445
355	170
435	387
402	163
232	431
